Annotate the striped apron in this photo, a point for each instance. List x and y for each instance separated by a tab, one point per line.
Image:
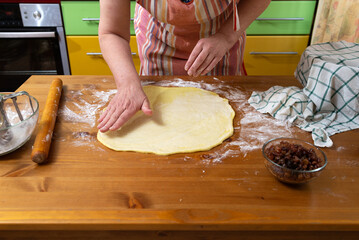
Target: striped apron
168	30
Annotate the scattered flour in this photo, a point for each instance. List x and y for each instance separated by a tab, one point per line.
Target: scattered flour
341	148
86	107
352	163
81	109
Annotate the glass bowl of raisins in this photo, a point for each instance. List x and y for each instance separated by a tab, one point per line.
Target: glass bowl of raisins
293	160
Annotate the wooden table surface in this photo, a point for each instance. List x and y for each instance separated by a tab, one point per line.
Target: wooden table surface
86	186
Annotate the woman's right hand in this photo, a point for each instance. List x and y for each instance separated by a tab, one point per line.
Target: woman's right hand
128	100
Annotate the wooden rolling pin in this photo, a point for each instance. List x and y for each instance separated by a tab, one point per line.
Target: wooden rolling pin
42	143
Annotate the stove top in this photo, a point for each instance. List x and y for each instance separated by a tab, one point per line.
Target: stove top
15	15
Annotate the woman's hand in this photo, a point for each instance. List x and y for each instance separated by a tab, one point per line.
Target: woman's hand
127	101
206	54
209	51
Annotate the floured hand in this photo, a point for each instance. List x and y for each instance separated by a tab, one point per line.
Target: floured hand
127	101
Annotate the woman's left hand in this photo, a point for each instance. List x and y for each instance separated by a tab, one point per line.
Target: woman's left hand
206	54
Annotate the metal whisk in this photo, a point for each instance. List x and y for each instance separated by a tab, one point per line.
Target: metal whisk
6	136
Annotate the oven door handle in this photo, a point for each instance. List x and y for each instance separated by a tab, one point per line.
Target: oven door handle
27	34
98	19
100	54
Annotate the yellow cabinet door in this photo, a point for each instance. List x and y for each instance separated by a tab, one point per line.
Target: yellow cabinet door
86	58
273	55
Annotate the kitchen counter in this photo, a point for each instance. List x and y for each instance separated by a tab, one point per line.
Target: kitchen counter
222	193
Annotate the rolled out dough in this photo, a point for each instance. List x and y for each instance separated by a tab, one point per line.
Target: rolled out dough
185	119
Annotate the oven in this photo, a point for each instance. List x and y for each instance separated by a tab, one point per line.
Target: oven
32	42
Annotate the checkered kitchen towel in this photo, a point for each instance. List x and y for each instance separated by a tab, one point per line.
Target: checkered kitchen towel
329	102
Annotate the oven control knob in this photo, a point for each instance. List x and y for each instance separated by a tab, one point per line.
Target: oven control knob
37	15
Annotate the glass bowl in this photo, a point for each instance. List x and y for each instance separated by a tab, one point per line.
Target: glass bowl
16	133
284	169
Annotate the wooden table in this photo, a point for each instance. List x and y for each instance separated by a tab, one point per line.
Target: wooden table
87	191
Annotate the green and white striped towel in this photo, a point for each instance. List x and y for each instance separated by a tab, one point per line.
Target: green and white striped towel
329	102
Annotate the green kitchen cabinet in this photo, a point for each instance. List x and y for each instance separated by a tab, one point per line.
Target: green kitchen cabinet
284	17
82	17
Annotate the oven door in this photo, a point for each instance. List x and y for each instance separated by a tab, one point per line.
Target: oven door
25	52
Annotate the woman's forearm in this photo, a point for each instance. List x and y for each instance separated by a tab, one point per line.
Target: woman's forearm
248	11
114	37
117	53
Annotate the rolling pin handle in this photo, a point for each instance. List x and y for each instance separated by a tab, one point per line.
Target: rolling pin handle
39	157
